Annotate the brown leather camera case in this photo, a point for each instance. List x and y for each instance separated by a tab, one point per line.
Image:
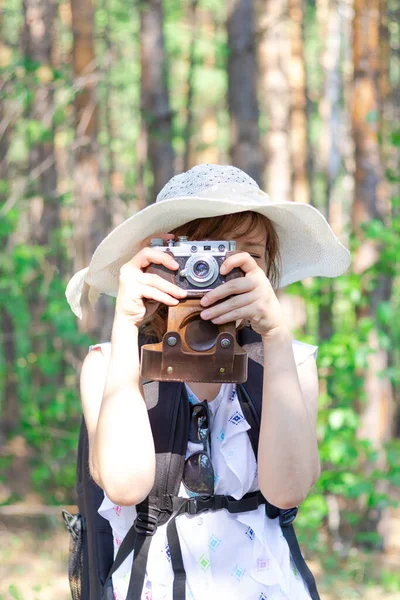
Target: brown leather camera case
195	350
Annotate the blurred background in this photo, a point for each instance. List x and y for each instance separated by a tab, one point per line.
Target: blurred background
101	103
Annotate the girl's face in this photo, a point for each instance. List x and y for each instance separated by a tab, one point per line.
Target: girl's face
254	242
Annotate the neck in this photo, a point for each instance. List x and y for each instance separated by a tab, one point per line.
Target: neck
205	391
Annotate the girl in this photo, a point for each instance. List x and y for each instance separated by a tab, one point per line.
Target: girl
225	555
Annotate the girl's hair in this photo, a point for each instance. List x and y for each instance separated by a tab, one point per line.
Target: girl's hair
217	228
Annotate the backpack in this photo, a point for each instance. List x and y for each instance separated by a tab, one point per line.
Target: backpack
91	553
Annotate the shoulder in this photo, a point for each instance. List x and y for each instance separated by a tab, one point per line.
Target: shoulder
305	358
303	351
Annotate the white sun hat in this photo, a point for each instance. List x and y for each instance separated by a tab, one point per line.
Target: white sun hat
307	245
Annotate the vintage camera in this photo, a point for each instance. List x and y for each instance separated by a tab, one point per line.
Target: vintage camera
193	349
199	264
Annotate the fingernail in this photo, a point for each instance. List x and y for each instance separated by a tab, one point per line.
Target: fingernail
204	301
205	314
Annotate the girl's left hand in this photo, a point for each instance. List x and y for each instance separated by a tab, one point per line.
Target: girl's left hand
253	297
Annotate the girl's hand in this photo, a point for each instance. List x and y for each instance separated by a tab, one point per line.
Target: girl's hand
253	297
135	286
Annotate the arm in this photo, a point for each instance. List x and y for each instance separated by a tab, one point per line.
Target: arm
121	446
288	461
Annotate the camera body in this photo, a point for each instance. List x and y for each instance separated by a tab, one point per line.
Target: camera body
199	264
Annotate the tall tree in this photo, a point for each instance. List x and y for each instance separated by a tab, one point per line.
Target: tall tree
329	154
187	135
156	111
298	113
209	112
376	415
37	39
10	408
92	217
274	53
242	88
44	208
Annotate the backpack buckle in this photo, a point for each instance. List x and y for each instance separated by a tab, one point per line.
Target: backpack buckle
145	524
199	504
286	517
74	523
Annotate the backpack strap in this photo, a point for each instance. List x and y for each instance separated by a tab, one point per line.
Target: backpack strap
250	398
169	418
97	531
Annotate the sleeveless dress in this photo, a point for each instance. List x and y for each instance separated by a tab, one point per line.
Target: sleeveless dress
226	556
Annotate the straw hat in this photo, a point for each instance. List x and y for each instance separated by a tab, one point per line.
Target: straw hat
308	247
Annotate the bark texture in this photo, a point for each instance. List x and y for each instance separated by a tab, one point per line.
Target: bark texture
91	215
298	113
274	53
242	88
155	106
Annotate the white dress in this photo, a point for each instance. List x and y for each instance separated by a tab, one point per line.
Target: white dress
226	556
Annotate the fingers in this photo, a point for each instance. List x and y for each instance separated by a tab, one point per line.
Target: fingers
152	293
235	308
148	285
155	281
235	286
241	259
146	256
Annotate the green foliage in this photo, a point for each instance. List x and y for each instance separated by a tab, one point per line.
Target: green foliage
52	411
355	471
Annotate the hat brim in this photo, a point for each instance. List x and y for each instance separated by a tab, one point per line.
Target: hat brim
308	247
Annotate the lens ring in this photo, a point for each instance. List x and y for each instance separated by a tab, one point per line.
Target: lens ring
201	269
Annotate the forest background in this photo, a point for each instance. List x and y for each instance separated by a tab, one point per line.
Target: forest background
100	105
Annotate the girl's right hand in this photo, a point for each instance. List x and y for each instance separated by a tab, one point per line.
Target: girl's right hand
135	286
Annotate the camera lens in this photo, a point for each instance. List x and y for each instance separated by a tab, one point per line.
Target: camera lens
201	269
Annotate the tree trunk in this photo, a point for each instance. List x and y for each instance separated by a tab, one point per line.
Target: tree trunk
207	114
114	180
242	88
9	417
37	41
92	218
369	203
44	206
274	53
156	112
298	113
187	135
329	156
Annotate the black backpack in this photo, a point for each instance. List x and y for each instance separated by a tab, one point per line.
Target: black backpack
91	563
